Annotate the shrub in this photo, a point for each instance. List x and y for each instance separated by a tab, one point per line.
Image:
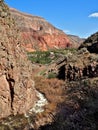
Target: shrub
51	75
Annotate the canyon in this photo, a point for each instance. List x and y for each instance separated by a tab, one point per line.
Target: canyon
48	79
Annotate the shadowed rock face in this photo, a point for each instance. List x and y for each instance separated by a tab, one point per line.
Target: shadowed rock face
76	73
38	34
81	65
17	92
91	43
75	65
93	48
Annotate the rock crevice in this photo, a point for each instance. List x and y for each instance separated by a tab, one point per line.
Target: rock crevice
11	83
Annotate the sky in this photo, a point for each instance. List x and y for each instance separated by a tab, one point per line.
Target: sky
76	17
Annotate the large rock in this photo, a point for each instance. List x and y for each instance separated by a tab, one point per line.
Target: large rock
17	92
38	34
78	66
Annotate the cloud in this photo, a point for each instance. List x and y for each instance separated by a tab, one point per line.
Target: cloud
94	15
66	31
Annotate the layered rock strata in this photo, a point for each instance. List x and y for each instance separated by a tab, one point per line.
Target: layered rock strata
38	34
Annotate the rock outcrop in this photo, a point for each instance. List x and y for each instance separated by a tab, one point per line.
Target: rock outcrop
78	66
38	34
17	92
74	65
91	43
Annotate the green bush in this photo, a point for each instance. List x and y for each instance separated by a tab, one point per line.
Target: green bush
40	57
51	75
46	57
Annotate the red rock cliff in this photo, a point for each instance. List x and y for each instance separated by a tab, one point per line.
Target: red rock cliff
17	92
38	34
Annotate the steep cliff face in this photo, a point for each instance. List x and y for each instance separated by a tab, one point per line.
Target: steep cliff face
38	34
17	92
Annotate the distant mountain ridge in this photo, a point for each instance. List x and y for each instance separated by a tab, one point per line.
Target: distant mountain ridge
76	40
38	34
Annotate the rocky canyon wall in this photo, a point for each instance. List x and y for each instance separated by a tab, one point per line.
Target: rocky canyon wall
38	34
17	92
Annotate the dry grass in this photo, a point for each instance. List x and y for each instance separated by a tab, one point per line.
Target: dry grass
52	89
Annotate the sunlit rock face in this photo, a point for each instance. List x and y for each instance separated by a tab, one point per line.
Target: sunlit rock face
38	34
17	92
76	40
